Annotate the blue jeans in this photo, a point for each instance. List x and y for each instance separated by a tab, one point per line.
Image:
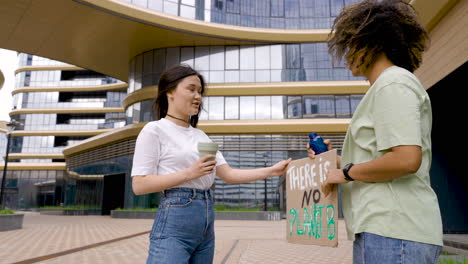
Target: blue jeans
183	230
370	248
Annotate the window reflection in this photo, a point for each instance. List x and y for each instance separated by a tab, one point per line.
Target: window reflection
264	107
231	64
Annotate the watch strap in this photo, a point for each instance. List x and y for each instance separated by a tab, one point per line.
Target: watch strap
346	171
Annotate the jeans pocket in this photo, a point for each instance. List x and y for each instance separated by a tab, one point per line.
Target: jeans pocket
159	223
176	202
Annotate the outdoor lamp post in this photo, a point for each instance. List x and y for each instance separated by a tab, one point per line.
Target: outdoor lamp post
265	206
11	127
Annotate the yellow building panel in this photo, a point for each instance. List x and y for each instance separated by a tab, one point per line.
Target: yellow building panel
47	68
286	126
19	133
67	110
105	87
18	166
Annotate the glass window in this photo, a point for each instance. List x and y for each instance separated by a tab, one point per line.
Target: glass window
263	8
247	58
188	2
262	76
141	3
262	57
311	107
170	8
216	106
335	7
276	56
187	11
294	107
231	107
233	6
276	76
216	58
233	19
173	56
148	62
277	22
291	8
293	56
232	57
202	62
205	109
159	60
277	8
343	106
248	7
247	107
307	7
278	107
156	5
309	55
324	60
247	76
231	76
355	100
139	65
217	77
326	106
262	107
186	56
322	8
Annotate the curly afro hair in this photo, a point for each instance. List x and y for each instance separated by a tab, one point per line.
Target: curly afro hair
365	30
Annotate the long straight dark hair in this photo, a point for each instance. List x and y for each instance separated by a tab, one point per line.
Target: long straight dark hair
168	81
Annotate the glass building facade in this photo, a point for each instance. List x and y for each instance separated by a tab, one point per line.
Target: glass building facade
57	108
281	14
99	176
3	142
275	63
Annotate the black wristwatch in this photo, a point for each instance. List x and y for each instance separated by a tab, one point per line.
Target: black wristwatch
346	169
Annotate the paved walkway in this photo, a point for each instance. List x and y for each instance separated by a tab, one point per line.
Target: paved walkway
74	239
102	239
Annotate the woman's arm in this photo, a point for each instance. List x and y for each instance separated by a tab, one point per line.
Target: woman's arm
400	161
155	183
230	175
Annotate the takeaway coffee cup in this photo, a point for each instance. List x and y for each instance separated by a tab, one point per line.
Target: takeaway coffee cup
206	148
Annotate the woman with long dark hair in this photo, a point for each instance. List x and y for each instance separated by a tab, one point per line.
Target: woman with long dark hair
166	160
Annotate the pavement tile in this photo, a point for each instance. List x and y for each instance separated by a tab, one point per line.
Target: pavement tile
236	242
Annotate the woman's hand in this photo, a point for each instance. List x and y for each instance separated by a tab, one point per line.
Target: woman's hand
311	153
202	167
280	167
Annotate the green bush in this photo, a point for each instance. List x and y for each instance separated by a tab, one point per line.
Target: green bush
448	259
71	207
7	212
224	208
138	209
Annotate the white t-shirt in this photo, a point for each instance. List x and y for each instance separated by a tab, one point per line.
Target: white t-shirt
162	147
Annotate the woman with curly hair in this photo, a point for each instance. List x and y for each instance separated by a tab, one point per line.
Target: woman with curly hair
390	209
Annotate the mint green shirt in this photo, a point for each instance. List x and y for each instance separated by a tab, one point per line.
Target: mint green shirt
396	110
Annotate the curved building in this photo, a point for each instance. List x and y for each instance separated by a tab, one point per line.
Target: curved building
264	94
270	79
59	105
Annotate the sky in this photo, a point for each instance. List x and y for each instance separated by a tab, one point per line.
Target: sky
8	65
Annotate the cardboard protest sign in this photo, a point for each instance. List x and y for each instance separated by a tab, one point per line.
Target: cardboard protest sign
312	218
